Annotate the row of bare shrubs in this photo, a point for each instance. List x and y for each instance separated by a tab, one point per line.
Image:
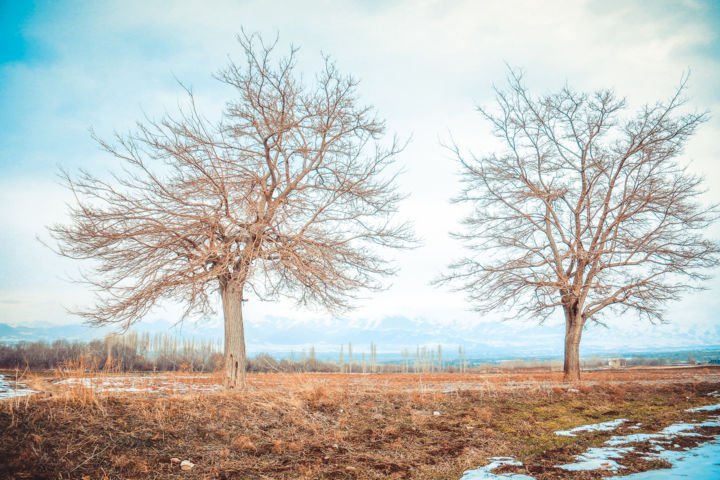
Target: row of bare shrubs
100	355
116	355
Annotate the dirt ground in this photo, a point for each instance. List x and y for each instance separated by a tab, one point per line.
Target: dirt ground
322	426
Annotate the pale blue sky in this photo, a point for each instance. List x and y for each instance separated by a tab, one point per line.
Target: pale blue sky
68	66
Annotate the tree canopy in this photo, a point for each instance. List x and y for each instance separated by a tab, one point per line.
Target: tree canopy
291	193
584	209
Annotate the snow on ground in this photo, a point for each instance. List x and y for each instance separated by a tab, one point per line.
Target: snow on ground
486	472
602	458
606	457
706	408
14	389
139	384
700	463
594	427
665	435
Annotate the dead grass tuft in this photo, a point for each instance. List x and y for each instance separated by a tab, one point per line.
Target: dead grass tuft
244	444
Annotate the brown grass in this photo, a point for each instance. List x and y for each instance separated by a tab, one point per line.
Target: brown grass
335	426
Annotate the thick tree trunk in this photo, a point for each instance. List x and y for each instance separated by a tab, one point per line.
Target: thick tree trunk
573	332
234	364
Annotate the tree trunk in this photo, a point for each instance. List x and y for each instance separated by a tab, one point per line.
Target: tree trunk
573	332
234	364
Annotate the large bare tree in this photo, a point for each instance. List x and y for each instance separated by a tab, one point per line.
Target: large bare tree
583	209
291	194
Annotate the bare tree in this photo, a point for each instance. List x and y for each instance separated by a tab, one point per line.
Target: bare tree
290	194
582	210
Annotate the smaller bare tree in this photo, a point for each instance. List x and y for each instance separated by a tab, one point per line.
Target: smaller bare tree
583	210
291	193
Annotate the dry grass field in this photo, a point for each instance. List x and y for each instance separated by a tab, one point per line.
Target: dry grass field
322	426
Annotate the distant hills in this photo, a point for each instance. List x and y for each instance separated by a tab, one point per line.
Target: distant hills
49	333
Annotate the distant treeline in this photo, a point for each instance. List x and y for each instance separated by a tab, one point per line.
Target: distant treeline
165	352
132	351
423	360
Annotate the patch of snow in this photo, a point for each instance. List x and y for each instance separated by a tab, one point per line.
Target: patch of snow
706	408
700	463
605	458
639	437
14	389
666	434
636	437
602	458
138	384
486	472
678	428
594	427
